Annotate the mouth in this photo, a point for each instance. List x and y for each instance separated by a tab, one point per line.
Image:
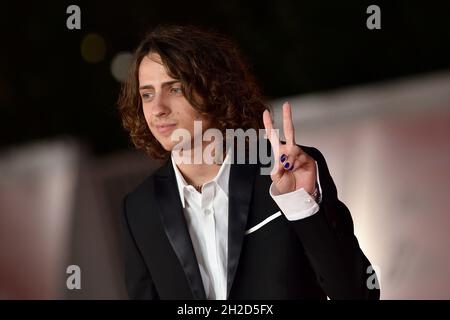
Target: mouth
165	128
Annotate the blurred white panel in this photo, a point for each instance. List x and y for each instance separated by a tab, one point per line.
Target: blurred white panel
36	197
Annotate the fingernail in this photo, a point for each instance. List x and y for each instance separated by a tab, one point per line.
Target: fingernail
283	158
286	165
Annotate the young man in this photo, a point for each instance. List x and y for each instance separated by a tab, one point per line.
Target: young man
222	230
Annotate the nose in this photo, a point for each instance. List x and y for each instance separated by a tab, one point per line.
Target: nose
160	107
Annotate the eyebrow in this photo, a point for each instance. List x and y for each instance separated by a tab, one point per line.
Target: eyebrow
164	84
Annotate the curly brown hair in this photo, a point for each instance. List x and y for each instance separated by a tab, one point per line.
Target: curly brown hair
214	77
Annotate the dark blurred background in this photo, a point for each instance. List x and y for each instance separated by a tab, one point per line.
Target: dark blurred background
47	89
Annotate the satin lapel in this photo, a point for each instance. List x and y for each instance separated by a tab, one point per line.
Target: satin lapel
240	191
172	217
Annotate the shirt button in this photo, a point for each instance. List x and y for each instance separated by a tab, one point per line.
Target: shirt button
308	200
208	211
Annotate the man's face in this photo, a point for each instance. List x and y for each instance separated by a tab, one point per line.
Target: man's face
164	105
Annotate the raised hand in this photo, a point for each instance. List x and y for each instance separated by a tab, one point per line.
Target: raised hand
294	169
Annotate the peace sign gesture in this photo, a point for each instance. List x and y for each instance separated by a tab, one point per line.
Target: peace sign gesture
294	169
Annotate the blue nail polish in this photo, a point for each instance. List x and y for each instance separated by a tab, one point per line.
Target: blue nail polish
286	165
283	158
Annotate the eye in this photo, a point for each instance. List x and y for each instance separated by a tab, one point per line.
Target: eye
176	90
147	96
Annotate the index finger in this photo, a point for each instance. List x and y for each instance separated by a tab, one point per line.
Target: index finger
270	132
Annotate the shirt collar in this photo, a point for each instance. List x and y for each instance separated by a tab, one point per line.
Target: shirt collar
221	179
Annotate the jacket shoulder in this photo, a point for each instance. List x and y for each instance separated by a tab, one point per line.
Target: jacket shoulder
144	189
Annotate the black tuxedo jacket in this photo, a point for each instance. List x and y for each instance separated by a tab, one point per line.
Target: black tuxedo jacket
311	258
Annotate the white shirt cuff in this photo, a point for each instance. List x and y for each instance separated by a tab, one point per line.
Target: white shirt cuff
297	204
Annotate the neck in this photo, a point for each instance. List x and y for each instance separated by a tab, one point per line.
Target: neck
198	174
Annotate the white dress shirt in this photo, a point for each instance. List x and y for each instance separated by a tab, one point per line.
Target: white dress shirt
206	215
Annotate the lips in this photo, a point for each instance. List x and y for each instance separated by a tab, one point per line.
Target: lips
164	128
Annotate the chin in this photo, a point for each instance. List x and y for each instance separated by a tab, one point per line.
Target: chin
167	145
